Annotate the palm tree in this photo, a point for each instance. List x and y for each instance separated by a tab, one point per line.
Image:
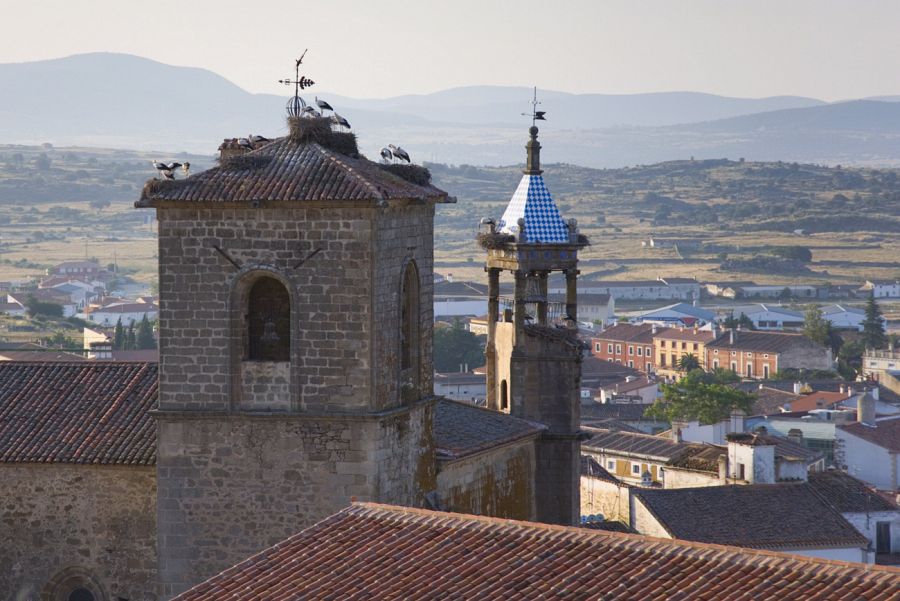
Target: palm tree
688	362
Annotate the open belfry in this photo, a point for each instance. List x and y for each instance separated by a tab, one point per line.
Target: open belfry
533	354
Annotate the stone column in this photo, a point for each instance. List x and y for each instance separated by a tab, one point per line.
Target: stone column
572	296
490	351
542	304
519	316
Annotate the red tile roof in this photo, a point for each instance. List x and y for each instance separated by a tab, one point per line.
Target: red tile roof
86	412
766	342
817	400
370	551
626	332
284	170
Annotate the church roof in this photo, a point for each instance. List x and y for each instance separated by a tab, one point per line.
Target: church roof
533	203
370	551
286	170
94	412
461	429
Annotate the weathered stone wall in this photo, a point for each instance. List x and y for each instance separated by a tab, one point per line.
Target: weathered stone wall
499	482
201	317
265	386
402	234
61	520
232	484
606	498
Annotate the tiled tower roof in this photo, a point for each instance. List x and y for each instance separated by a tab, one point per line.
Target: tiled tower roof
532	201
321	167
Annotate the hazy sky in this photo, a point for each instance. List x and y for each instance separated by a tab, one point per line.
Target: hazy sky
376	48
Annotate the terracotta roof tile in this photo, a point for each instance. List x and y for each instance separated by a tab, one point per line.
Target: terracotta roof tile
370	551
461	429
767	342
86	412
627	332
284	170
769	516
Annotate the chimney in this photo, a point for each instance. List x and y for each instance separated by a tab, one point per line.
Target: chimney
653	329
796	435
842	389
676	431
737	421
450	277
865	410
874	392
797	387
723	468
731	336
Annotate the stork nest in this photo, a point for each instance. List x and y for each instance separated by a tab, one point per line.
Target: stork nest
493	241
244	162
157	186
306	130
584	240
414	174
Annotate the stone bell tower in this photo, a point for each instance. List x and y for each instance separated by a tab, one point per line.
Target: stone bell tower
533	355
295	344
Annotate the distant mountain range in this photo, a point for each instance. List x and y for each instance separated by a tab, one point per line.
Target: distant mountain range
127	101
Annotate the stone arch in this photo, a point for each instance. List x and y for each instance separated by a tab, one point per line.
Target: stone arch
264	332
409	325
77	580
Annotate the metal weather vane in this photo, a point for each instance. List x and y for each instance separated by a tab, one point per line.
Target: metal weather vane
535	114
296	104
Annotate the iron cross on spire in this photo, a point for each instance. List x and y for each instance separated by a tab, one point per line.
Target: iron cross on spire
297	104
535	114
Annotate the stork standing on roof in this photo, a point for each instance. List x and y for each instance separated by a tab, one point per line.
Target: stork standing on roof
399	153
166	169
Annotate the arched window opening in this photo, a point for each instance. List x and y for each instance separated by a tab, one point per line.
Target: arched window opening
268	321
81	594
504	396
409	319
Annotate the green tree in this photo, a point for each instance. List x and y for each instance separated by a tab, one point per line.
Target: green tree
688	362
119	336
785	294
815	326
694	398
145	338
850	359
130	338
455	346
743	322
873	326
37	308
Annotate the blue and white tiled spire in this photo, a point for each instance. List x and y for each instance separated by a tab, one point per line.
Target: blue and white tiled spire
533	203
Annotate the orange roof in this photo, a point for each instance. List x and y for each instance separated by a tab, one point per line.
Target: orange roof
371	551
817	400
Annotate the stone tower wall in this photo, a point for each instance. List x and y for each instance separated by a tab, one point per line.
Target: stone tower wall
200	328
402	234
251	452
230	486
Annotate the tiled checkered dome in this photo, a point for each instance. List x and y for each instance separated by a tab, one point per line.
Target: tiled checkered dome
532	201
